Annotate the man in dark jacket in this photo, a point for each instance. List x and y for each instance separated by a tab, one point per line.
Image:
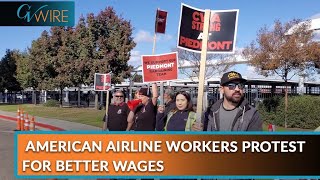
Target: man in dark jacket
170	104
232	112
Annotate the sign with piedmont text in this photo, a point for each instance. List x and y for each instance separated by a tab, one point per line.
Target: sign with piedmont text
162	67
222	30
102	82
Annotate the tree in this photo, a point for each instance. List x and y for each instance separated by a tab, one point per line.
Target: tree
137	78
216	63
25	73
70	57
62	56
41	65
83	57
286	50
84	54
103	45
8	71
113	43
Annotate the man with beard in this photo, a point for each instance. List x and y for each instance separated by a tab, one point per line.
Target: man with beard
232	112
117	114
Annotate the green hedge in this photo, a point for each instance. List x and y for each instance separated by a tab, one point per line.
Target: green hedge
303	111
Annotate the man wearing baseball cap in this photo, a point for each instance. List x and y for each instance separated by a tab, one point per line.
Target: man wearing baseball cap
232	112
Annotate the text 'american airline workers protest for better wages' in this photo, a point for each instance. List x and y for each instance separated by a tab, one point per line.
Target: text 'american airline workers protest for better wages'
170	146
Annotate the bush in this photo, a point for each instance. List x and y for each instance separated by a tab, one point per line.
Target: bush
271	103
51	103
303	111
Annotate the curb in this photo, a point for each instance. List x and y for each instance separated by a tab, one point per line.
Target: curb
47	126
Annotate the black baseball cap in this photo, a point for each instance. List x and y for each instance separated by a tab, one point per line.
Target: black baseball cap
231	76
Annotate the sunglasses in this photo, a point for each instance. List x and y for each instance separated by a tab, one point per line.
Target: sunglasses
119	96
233	86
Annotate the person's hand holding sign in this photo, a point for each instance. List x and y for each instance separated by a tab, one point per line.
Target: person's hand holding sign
197	126
161	108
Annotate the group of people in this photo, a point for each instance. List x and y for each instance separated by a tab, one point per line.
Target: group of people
230	113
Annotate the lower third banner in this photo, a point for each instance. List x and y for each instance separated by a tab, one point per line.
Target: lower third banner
166	154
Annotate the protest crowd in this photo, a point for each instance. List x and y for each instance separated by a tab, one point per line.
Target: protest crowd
177	113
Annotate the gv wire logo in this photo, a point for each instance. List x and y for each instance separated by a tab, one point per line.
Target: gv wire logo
27	15
47	13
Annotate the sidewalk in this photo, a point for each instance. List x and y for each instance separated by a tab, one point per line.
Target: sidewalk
51	124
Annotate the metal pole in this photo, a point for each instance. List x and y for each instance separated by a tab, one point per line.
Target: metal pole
101	99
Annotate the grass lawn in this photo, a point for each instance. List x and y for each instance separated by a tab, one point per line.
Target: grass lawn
88	116
80	115
278	128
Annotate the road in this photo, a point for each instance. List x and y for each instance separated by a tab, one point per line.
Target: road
6	149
